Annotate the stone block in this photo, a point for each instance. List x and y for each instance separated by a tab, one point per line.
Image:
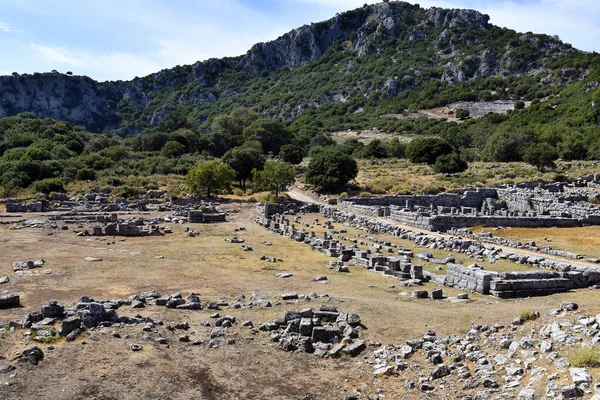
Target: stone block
69	325
10	301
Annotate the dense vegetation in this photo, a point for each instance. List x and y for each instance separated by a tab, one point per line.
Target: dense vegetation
369	78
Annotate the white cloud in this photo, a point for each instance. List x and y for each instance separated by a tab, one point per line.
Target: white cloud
56	55
114	65
4	27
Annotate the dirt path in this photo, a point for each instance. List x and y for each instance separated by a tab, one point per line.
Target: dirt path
297	194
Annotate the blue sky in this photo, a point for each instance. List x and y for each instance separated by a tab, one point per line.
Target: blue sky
121	39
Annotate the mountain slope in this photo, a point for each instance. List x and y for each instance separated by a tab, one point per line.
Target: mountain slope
381	58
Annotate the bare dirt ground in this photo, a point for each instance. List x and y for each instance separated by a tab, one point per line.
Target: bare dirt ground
100	366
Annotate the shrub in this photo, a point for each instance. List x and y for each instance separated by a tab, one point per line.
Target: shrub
49	185
433	188
86	174
427	150
559	177
584	357
365	194
344	195
269	198
238	192
528	315
450	164
291	153
249	192
127	192
172	149
462	114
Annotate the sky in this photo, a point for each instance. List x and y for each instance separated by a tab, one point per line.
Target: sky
121	39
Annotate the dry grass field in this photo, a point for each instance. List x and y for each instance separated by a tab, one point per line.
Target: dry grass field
100	366
584	241
401	176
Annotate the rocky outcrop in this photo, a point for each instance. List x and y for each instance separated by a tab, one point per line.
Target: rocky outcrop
455	40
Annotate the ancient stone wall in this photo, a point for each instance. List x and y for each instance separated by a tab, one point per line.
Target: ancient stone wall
468	278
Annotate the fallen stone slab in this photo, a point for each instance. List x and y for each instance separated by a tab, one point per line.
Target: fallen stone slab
93	259
289	296
355	348
284	275
4	279
387	370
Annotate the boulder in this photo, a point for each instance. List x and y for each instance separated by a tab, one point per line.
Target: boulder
34	355
420	294
10	301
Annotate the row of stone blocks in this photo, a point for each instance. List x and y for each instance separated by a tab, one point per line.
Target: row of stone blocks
554	284
197	216
509	284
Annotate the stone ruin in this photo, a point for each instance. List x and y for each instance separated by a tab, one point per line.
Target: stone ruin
530	205
325	332
205	217
94	201
552	276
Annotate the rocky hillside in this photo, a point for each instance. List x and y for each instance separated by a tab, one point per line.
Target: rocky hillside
384	55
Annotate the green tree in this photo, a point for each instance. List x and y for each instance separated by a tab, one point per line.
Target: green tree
519	105
231	126
507	145
374	149
450	164
540	155
210	177
462	114
394	148
244	160
351	146
457	138
427	150
172	149
331	169
275	176
270	133
321	140
291	153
